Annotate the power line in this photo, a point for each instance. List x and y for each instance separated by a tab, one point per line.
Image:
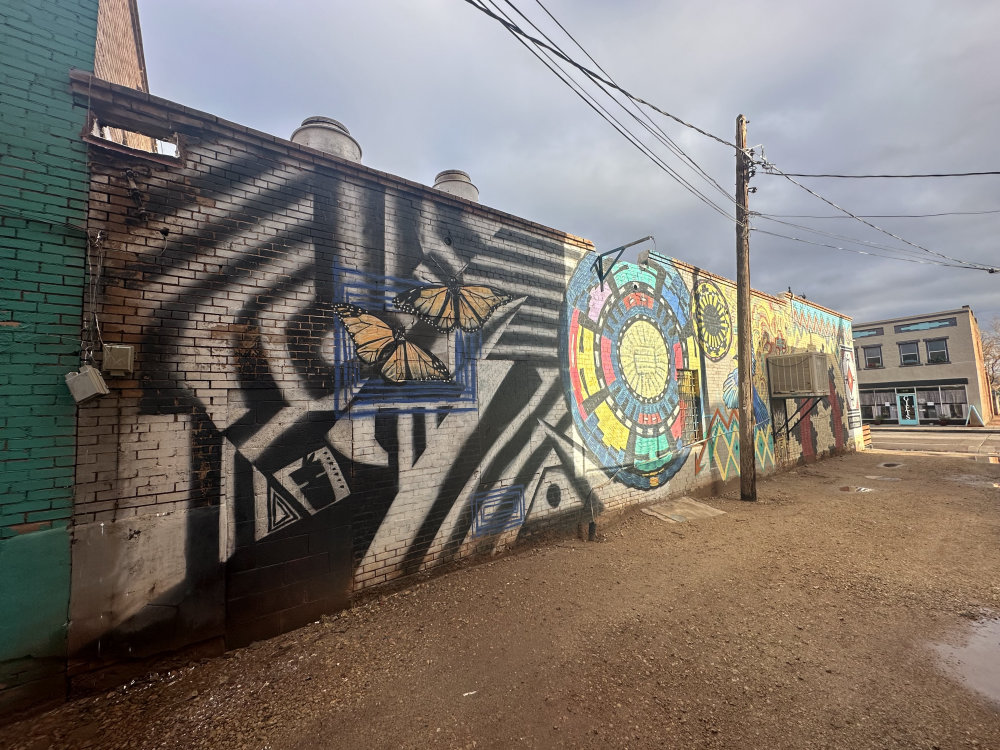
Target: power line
844	238
859	252
889	176
647	122
885	216
514	29
602	111
771	169
605	82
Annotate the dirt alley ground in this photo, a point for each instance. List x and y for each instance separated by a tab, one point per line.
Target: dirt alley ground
802	621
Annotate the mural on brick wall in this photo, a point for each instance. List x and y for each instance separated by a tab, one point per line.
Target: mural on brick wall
373	379
715	322
360	374
624	341
407	394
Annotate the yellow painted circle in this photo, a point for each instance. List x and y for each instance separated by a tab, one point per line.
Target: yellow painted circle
644	359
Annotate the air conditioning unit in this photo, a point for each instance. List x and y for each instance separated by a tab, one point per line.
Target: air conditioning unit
798	375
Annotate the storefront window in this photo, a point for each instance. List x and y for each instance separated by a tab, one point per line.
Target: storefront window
954	402
885	404
927	403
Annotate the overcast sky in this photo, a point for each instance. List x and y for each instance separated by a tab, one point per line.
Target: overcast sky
876	86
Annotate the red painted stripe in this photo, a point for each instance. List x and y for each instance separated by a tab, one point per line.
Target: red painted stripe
609	372
574	371
678	426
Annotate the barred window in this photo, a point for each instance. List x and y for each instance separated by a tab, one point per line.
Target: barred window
690	393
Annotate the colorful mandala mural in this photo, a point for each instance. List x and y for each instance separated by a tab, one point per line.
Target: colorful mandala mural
623	342
715	324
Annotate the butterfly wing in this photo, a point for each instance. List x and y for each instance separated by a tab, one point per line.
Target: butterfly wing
376	344
434	304
411	362
475	305
373	338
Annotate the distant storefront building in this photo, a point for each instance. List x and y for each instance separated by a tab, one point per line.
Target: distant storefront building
922	369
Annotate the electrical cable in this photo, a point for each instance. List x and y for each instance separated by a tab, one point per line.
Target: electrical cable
95	269
859	252
636	112
575	86
890	176
835	236
646	123
605	82
771	169
14	213
608	117
514	29
886	216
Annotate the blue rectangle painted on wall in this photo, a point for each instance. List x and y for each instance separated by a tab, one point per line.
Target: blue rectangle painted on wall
497	510
925	325
363	395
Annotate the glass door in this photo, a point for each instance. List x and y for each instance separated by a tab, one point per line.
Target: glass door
906	407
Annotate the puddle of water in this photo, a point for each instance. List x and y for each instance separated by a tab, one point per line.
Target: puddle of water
976	663
888	465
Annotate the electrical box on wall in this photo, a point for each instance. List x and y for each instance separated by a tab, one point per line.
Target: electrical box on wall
797	375
118	359
86	385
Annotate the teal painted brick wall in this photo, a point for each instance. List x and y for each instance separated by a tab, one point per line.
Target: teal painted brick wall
43	187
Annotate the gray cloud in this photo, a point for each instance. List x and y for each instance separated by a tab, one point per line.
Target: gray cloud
855	87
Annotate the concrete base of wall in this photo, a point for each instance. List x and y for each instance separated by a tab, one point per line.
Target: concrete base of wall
35	685
145	585
87	677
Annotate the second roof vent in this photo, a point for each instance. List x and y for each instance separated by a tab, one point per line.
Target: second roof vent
326	134
456	182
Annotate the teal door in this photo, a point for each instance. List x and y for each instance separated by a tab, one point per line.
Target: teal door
906	407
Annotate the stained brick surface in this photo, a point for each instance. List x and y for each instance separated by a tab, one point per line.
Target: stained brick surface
43	194
269	474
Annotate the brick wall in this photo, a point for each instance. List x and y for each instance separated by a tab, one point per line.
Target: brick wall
266	460
43	192
119	58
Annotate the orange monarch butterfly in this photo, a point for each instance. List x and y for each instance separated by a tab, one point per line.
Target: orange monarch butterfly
446	305
386	348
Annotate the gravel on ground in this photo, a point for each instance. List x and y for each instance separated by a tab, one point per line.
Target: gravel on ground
806	620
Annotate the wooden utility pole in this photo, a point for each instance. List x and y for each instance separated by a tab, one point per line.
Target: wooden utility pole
744	332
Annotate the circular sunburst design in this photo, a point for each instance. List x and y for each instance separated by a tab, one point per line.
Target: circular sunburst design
622	343
644	359
715	324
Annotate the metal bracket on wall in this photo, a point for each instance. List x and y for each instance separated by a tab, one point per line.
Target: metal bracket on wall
133	190
602	272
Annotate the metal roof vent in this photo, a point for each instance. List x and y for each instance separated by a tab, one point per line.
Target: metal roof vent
326	134
456	182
